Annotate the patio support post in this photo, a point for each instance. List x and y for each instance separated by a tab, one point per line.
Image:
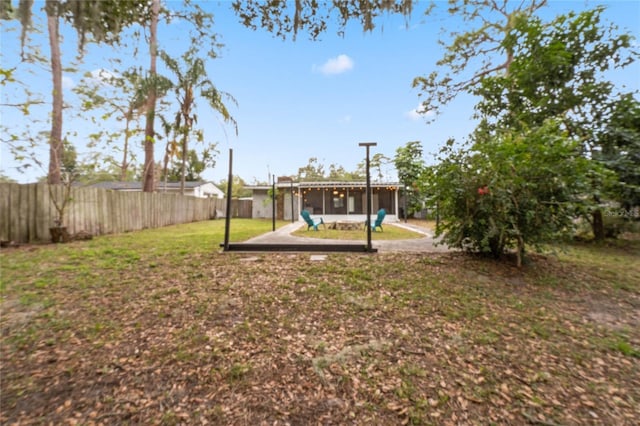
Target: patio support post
367	145
324	201
347	200
292	217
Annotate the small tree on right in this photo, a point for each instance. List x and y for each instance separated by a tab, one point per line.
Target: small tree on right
507	192
532	166
558	72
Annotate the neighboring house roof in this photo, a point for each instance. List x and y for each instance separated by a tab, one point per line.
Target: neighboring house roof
117	186
207	187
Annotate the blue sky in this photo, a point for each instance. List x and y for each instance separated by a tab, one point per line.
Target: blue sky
296	100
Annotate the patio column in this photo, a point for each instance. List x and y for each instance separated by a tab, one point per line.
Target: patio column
300	200
396	203
347	200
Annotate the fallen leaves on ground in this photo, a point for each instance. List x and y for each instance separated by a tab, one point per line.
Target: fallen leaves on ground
208	338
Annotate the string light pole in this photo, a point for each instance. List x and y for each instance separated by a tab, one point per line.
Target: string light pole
273	204
368	222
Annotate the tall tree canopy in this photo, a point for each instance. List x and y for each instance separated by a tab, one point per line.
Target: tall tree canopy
101	21
193	82
122	96
190	169
285	18
558	72
481	51
545	119
202	39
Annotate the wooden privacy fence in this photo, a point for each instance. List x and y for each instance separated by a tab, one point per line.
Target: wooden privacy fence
27	211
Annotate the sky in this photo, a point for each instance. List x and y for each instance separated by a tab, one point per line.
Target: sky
296	100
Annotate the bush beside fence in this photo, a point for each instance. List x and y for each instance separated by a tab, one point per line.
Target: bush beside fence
27	211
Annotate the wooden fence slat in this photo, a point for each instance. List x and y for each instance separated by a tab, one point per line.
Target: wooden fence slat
27	211
115	212
30	214
22	233
5	211
44	211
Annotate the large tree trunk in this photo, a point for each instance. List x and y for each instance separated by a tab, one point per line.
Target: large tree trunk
183	167
55	138
127	133
149	134
188	123
597	225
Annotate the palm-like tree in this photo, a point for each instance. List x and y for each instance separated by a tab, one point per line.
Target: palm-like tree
102	20
192	80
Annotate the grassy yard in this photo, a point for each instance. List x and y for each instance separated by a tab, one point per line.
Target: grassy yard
159	327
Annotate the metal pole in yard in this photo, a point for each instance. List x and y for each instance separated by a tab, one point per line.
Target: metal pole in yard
227	219
273	204
367	145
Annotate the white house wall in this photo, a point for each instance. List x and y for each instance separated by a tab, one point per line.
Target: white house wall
261	205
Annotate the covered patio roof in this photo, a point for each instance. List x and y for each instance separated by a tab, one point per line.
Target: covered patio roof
328	184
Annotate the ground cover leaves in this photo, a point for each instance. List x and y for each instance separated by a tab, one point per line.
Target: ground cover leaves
108	334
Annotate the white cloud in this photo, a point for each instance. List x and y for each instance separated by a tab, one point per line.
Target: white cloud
338	65
418	112
102	76
345	120
67	83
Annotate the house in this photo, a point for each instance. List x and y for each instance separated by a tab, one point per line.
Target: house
331	200
193	189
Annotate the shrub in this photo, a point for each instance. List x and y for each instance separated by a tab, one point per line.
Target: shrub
509	191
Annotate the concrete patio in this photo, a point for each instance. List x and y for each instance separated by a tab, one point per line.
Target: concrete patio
416	245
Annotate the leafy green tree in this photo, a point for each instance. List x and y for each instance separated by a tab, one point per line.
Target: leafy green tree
557	72
338	173
410	166
284	18
102	21
313	171
123	96
201	38
377	163
100	168
509	191
191	166
192	80
69	160
483	50
238	187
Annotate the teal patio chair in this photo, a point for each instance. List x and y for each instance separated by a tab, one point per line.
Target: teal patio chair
310	222
378	223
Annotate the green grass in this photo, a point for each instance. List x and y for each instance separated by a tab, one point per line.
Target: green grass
151	327
390	232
